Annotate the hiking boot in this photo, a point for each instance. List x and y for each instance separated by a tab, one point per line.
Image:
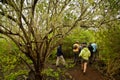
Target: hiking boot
57	65
82	70
84	73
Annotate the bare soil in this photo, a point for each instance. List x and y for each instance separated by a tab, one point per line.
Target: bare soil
77	74
91	74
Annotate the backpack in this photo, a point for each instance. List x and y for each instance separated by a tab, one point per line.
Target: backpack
90	48
75	47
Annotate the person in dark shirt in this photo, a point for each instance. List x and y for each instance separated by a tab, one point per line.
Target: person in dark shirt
60	56
91	51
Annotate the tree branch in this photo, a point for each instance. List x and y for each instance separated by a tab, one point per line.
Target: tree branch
64	6
9	17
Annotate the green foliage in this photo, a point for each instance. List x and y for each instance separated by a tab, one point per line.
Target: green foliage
10	60
78	34
14	75
57	74
53	55
54	18
108	42
69	65
50	72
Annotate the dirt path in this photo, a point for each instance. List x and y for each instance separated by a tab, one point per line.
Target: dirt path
91	74
76	73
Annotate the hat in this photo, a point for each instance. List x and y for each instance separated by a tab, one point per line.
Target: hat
77	41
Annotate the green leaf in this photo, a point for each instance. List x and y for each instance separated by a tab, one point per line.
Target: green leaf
91	1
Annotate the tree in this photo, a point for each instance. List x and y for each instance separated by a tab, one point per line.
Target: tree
37	27
108	41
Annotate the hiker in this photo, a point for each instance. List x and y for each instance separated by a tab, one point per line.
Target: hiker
76	49
80	48
91	51
94	45
84	54
60	56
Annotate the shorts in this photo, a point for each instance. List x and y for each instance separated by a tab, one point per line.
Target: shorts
83	60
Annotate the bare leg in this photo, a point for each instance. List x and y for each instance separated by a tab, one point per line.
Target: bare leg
85	67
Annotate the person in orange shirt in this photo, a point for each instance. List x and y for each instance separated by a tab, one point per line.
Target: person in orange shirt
76	48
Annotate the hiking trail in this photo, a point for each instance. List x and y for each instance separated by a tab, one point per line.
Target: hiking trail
91	74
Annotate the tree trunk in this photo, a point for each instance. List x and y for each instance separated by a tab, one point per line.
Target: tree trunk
38	76
38	71
35	75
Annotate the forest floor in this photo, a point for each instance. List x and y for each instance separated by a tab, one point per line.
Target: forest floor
76	73
91	74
